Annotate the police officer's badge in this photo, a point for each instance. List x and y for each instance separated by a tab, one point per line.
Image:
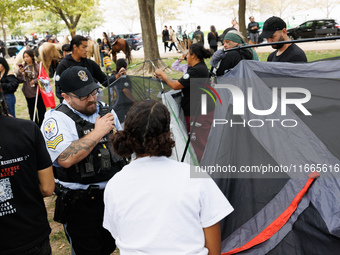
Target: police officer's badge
82	75
57	77
126	84
186	76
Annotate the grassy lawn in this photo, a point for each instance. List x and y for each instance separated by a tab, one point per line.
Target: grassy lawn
58	240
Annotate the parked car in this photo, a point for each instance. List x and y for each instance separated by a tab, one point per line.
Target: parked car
315	28
135	41
14	47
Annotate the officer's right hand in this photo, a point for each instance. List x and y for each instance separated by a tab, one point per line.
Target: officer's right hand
105	124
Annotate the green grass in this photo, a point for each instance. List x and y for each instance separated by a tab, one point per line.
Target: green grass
321	54
60	235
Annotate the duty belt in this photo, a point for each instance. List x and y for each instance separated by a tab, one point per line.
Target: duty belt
91	193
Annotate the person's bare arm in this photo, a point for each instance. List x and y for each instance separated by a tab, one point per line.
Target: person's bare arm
174	84
80	149
212	237
46	181
129	95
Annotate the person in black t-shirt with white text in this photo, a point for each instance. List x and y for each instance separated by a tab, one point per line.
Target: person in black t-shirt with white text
26	176
275	30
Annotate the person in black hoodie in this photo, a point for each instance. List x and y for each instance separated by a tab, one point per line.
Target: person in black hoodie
78	47
223	60
9	85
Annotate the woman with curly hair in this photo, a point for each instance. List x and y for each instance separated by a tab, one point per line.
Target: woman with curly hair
152	206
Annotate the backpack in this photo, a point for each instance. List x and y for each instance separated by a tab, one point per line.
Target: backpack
198	37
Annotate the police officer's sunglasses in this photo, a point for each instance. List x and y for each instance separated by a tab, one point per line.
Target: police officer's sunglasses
93	93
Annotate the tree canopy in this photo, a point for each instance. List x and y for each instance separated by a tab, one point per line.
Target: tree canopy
70	11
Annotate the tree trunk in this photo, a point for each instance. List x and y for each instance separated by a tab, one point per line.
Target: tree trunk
70	21
4	34
242	18
149	34
72	32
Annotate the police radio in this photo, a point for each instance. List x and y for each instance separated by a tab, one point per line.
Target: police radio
105	109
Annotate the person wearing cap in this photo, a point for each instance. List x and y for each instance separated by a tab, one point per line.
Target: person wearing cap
34	38
222	61
78	57
275	30
76	134
253	29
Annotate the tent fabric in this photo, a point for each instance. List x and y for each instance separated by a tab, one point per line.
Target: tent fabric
171	100
259	198
142	88
275	225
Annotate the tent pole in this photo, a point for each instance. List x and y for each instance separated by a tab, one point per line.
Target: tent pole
285	42
190	134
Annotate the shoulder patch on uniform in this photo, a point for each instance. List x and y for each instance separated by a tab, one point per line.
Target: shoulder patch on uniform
186	76
50	128
126	84
57	77
53	144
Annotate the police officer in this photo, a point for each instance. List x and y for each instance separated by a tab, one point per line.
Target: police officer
76	135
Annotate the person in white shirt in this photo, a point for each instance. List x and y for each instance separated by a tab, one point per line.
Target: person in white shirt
152	206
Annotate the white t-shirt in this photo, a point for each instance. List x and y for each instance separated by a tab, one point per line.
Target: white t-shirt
152	206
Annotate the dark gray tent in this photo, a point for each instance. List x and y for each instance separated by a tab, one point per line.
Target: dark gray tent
278	208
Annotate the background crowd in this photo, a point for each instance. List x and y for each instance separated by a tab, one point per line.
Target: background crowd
77	138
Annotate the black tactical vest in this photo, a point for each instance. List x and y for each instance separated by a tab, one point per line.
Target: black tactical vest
100	165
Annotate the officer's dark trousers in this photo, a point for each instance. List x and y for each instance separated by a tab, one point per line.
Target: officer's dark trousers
85	230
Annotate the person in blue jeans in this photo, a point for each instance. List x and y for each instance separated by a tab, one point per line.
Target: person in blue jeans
9	85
